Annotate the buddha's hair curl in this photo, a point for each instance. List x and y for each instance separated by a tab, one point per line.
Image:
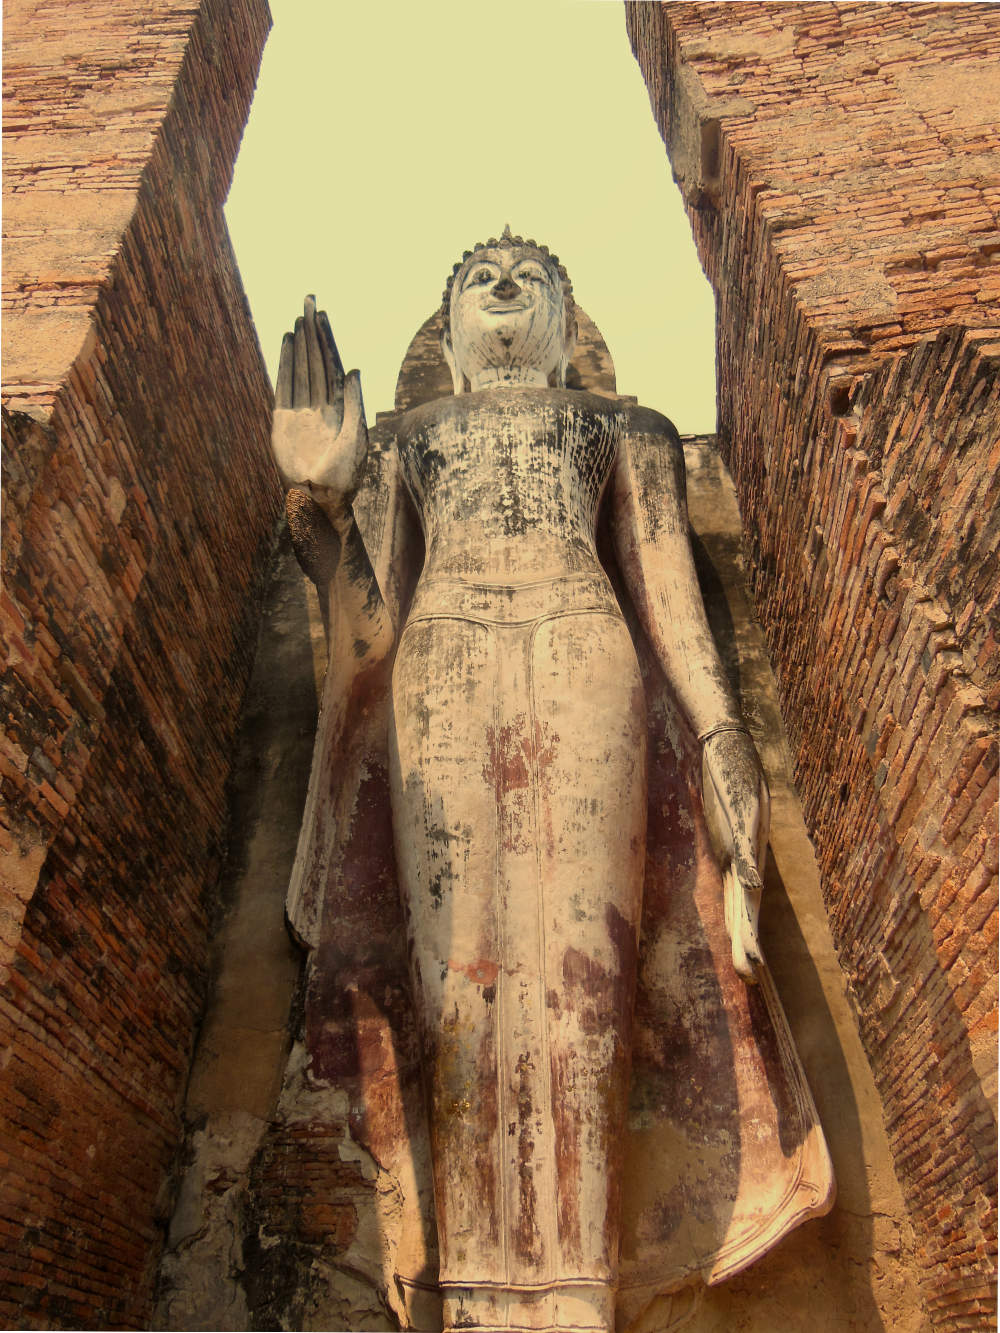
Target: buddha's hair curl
509	242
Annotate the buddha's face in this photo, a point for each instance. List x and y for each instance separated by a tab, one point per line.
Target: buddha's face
508	319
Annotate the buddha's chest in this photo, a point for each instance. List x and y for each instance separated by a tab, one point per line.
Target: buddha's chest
520	457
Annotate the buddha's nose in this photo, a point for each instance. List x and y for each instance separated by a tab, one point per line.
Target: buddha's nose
506	288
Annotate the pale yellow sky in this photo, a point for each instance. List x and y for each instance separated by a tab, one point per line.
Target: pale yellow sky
387	137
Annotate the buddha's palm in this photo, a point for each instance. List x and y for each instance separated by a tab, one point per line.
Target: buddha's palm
318	436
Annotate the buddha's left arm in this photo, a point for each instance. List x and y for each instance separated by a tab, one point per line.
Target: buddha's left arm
650	527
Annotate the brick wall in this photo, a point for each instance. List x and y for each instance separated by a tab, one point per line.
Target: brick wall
138	504
842	176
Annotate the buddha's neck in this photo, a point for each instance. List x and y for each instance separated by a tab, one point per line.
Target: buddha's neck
491	375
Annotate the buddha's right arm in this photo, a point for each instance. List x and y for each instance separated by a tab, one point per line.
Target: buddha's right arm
338	563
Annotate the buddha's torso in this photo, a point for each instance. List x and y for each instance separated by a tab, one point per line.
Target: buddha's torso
507	481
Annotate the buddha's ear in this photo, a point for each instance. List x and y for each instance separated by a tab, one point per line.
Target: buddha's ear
457	378
569	347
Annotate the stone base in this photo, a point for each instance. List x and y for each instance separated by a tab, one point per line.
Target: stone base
566	1306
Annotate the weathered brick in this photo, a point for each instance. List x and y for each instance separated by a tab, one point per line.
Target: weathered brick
138	502
850	233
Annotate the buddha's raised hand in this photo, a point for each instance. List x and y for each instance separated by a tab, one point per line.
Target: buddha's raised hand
318	436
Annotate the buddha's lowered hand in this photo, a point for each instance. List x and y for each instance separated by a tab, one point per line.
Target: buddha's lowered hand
737	809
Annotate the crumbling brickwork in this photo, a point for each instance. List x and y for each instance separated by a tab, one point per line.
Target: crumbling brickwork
842	176
138	503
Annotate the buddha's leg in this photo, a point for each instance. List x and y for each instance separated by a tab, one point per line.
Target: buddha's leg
519	803
589	718
445	831
569	761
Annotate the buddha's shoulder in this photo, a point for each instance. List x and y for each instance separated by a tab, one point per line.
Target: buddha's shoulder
467	410
651	425
503	403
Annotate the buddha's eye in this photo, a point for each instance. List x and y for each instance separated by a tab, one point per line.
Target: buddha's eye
484	275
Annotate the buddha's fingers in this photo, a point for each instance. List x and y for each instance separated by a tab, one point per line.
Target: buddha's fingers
744	858
354	412
300	377
286	365
764	822
743	910
331	358
317	371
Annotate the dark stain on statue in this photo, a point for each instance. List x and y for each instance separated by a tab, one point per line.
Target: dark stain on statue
526	1233
483	972
566	1123
624	940
594	991
436	889
546	750
432	463
357	969
515	522
485	1162
507	766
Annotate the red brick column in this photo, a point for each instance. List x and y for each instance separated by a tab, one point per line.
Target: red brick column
842	175
138	505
